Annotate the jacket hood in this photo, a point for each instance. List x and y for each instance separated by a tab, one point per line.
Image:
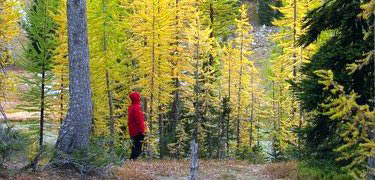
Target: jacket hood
135	97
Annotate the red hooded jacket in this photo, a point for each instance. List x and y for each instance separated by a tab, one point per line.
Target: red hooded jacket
136	121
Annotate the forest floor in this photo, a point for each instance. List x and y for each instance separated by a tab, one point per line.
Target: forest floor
176	170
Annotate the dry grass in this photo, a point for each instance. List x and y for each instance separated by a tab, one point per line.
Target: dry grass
170	170
21	116
179	169
51	175
149	170
283	170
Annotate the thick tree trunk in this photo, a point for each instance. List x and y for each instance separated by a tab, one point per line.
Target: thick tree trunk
194	161
194	143
75	130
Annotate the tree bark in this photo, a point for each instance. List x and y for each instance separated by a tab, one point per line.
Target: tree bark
75	131
42	104
194	143
111	117
294	54
108	82
2	113
62	97
194	161
229	102
239	93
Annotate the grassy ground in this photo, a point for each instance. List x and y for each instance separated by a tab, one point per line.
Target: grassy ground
162	170
209	170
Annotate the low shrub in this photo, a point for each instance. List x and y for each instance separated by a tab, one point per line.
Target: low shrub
306	170
282	170
320	170
254	155
11	142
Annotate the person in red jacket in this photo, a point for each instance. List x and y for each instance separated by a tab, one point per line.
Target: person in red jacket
136	125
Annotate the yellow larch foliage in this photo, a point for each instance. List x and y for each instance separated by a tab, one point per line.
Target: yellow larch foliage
152	25
181	67
200	46
9	30
243	41
257	107
285	67
61	62
229	68
109	69
358	124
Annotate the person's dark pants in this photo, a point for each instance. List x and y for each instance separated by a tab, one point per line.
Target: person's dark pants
137	146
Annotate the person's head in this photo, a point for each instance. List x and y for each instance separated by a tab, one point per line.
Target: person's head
135	97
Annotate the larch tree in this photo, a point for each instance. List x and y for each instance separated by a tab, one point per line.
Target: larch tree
220	17
152	28
229	77
368	11
75	130
106	40
357	126
257	105
200	46
242	43
9	30
286	67
37	60
182	71
60	60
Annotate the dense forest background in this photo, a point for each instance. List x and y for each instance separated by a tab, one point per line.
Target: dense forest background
261	81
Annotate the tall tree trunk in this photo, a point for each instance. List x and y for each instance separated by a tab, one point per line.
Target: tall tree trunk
239	92
252	110
211	57
42	107
175	109
111	117
160	118
152	79
229	102
294	54
274	116
194	143
108	82
62	91
42	88
75	131
194	161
